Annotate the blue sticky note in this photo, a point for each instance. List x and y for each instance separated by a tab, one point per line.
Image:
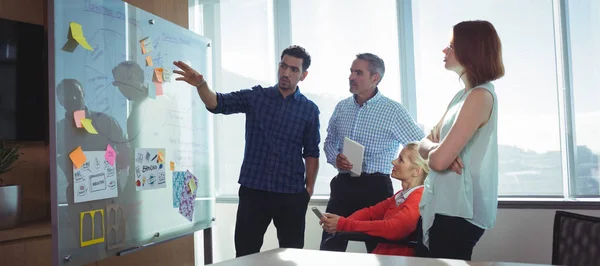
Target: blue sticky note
152	90
178	187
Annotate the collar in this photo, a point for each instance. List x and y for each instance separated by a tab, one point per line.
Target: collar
378	96
274	92
403	195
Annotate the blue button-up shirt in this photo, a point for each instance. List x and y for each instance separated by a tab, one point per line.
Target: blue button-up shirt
381	125
279	133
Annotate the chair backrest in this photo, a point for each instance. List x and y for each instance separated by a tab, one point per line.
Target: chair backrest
576	239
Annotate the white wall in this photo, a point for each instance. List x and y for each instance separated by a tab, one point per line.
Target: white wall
520	235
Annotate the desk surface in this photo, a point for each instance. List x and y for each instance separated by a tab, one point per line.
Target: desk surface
301	257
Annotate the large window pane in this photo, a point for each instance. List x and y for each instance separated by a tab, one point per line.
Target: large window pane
528	125
585	41
247	59
333	32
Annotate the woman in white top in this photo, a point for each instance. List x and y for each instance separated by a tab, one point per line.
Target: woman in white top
461	193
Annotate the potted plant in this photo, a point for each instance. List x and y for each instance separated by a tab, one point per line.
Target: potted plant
10	195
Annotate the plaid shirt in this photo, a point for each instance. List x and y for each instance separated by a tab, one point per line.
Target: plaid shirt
380	125
279	133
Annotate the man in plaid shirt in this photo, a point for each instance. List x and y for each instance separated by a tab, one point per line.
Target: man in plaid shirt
376	122
281	157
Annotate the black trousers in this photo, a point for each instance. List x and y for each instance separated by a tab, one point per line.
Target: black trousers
349	194
449	238
256	210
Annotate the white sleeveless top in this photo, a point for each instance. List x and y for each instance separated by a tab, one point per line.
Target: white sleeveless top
473	195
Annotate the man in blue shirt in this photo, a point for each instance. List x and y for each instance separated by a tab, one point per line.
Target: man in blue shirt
378	123
282	134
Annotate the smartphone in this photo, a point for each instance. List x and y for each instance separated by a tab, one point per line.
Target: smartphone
317	212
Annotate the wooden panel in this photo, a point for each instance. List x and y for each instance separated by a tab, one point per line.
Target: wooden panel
12	253
33	173
175	252
175	11
39	252
31	11
35	229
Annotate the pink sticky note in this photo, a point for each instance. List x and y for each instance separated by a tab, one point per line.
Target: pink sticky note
78	116
159	90
110	155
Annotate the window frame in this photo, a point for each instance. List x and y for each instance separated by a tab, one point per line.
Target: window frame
207	23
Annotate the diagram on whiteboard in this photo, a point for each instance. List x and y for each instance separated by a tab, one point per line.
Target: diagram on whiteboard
149	169
95	179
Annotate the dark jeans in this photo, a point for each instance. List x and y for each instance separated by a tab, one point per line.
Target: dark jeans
256	210
449	238
349	194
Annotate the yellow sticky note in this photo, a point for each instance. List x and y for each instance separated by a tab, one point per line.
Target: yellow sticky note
192	185
148	61
77	157
76	33
78	116
161	157
172	166
158	74
87	124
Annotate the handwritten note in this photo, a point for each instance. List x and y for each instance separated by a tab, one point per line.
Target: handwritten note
87	124
96	179
77	157
148	60
146	44
78	116
149	173
110	155
76	33
158	74
159	88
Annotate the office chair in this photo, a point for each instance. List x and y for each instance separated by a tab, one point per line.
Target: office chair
576	239
409	241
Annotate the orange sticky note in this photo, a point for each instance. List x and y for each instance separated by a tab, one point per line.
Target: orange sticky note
159	89
77	157
172	166
78	116
158	74
161	158
148	61
146	45
87	124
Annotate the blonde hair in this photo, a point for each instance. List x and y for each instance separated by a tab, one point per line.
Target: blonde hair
416	158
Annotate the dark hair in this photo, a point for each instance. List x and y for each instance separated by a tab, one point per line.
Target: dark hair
478	49
298	52
376	64
67	83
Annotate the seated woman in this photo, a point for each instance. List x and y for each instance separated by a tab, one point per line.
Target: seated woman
394	218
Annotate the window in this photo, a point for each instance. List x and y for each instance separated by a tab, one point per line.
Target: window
533	145
246	60
585	39
528	126
333	32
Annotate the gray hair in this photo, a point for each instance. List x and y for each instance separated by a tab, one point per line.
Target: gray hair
376	64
